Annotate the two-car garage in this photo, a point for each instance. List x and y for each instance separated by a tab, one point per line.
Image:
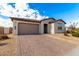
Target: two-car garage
27	28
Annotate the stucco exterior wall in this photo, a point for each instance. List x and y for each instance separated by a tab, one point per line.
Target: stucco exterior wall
41	28
15	24
50	27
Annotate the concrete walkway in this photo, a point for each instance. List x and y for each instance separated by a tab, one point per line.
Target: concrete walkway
74	52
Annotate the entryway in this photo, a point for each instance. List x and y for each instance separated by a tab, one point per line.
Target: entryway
45	28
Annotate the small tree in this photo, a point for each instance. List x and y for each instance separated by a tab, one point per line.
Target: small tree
73	25
74	30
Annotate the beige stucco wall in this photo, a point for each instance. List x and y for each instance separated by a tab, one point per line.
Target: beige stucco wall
41	28
52	28
15	23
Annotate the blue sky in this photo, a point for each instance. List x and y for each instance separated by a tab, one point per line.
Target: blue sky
69	12
63	11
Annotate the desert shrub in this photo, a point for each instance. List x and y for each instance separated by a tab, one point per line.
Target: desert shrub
68	31
75	33
65	33
4	37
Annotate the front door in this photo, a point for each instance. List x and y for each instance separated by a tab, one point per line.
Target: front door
45	28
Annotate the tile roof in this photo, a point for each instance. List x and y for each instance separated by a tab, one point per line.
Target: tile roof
33	20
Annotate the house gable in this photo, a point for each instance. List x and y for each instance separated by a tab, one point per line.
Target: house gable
60	21
48	20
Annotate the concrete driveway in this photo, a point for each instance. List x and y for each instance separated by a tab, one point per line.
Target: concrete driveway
42	45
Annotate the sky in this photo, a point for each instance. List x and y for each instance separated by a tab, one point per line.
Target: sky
69	12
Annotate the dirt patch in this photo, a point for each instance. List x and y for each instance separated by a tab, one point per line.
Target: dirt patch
8	47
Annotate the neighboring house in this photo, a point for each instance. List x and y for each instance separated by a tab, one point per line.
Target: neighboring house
8	30
23	26
1	30
4	30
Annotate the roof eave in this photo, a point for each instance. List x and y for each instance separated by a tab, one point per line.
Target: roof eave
62	21
23	19
48	18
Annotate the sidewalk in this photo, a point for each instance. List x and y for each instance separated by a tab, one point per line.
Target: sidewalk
74	52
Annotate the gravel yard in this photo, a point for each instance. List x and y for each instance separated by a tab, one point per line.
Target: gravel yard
8	47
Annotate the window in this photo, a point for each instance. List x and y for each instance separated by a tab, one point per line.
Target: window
59	27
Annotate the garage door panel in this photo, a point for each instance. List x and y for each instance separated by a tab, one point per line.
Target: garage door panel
28	29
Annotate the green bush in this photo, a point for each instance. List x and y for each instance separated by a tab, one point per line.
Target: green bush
75	33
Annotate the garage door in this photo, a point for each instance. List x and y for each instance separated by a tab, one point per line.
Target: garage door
24	29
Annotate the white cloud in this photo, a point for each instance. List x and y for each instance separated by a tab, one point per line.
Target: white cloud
21	10
1	22
6	23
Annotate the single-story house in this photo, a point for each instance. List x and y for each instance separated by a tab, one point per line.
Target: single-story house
23	26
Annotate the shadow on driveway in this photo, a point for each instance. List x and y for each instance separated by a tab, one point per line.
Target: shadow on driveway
2	44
